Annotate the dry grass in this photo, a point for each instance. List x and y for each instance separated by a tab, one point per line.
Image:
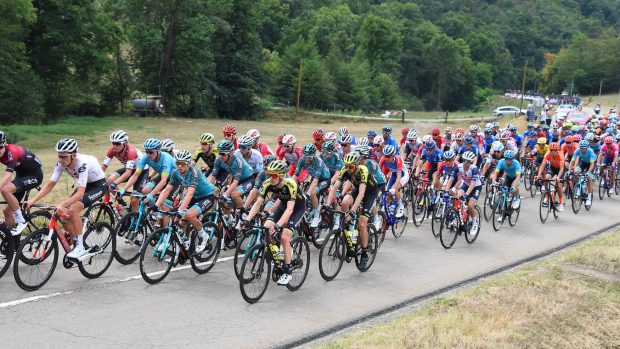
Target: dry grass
602	254
537	306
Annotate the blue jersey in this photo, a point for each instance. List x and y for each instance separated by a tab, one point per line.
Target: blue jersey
434	158
471	149
488	141
193	178
511	171
333	163
596	147
164	165
518	139
238	168
390	141
316	169
375	171
588	157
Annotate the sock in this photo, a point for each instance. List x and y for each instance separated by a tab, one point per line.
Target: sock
286	268
18	217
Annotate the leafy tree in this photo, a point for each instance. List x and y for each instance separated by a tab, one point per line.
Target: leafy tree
380	44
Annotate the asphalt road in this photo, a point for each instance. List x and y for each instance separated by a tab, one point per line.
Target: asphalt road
207	310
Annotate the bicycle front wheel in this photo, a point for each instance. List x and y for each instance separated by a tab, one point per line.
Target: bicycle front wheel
130	235
544	206
35	260
7	249
100	241
499	213
372	247
204	261
244	244
489	203
471	236
300	263
602	188
419	209
157	256
332	255
449	228
254	274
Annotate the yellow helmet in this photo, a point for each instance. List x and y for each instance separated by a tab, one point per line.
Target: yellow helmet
351	158
207	138
542	140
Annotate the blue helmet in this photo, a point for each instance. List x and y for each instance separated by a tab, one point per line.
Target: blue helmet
509	154
225	146
469	140
584	144
609	130
532	134
152	144
589	136
371	133
387	129
430	144
389	150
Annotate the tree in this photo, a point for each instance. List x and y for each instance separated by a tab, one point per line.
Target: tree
380	45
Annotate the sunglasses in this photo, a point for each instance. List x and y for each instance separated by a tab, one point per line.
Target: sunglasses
351	167
64	156
181	163
288	146
223	154
412	141
116	143
150	152
2	146
229	134
274	176
345	144
449	160
243	147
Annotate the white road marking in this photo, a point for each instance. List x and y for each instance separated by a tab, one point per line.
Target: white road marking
33	299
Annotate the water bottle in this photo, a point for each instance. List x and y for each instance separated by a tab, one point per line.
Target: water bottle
281	254
274	250
354	234
349	237
119	210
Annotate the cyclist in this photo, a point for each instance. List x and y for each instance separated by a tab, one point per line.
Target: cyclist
448	137
363	193
439	140
346	144
289	208
28	175
344	131
375	171
584	160
457	144
595	144
197	196
167	145
237	168
377	149
371	134
319	138
331	160
291	154
387	138
477	139
511	169
530	143
488	140
447	169
469	184
515	135
468	146
128	155
206	152
258	182
568	149
261	147
608	157
393	164
540	150
252	156
319	176
411	147
230	133
429	158
553	165
91	186
403	138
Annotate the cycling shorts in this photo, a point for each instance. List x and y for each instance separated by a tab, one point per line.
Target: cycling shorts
321	187
293	220
370	197
553	171
202	204
245	185
475	193
143	178
404	178
608	161
24	183
94	192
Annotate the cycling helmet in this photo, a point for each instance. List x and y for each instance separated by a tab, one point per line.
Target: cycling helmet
67	145
430	144
225	146
468	140
363	150
497	146
608	140
253	133
459	130
268	159
309	150
152	144
387	129
554	146
589	136
119	136
545	127
343	131
542	140
389	150
584	144
503	136
575	128
404	130
167	144
280	138
246	141
229	129
509	154
473	127
495	124
487	130
569	139
328	147
351	158
554	125
331	136
469	156
532	133
577	138
412	135
346	139
318	135
530	126
289	140
2	137
609	130
276	167
435	132
512	128
362	141
183	155
448	130
568	133
379	140
371	133
207	138
604	122
449	155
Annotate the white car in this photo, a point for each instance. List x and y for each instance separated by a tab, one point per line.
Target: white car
563	110
509	110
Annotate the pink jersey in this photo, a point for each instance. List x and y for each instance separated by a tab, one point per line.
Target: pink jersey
609	150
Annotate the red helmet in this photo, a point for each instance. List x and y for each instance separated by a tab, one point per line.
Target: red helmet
554	146
229	129
569	138
604	122
280	138
542	135
608	140
405	130
459	130
318	135
435	132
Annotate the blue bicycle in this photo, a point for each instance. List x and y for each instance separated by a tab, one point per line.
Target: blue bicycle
131	230
504	208
579	193
389	205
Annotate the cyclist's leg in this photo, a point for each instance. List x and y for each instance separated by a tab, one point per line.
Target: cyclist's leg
251	198
472	200
93	193
114	176
13	192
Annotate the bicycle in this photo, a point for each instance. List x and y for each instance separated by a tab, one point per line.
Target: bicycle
37	255
131	231
504	208
604	186
549	200
250	237
490	201
314	234
264	256
225	224
420	201
389	205
456	222
580	194
339	246
439	211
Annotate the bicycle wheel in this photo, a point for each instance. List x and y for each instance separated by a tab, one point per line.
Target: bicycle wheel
419	209
101	241
130	235
576	199
7	249
602	187
99	212
35	260
36	220
617	184
489	203
499	213
471	236
513	214
438	212
157	256
254	274
332	255
544	206
398	228
383	225
245	243
322	230
300	263
372	249
533	185
204	261
526	182
449	228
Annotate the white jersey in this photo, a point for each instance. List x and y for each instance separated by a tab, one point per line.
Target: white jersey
255	161
87	170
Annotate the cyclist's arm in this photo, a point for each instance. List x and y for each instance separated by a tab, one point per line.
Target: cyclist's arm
77	196
44	191
188	197
163	195
161	185
126	175
542	167
255	208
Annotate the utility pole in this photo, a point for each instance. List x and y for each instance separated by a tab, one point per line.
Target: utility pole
600	88
523	84
301	62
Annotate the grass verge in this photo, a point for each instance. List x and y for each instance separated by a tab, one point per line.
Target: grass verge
571	300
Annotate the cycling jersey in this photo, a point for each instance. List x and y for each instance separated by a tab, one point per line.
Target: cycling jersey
588	157
316	169
87	170
454	147
596	147
375	171
318	145
163	165
412	147
361	177
540	151
128	157
333	163
518	139
286	190
609	151
478	141
255	161
434	158
193	178
209	159
292	157
395	166
20	160
471	176
471	149
390	141
263	149
488	141
554	161
511	171
238	168
569	150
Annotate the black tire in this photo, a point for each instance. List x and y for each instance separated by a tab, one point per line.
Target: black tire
576	200
489	203
152	262
7	249
513	216
99	212
383	228
602	188
204	261
526	182
373	247
322	230
28	262
533	185
243	245
498	212
255	273
544	209
471	236
36	220
398	228
419	206
449	228
300	263
130	235
436	217
332	253
99	236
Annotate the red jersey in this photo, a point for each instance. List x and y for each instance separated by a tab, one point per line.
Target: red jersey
128	157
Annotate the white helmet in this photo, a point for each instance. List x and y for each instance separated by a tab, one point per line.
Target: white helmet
253	133
343	131
67	145
330	136
412	135
246	140
469	156
183	156
427	138
119	136
167	144
289	140
379	140
497	146
362	141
